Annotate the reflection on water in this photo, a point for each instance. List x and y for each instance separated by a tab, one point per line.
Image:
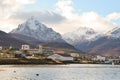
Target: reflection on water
48	73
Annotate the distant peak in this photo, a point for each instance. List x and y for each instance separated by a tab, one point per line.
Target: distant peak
85	30
33	23
35	29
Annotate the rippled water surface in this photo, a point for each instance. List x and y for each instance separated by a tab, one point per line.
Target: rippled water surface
59	73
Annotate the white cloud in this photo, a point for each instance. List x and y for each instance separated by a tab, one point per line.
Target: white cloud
63	19
7	8
95	21
87	19
113	16
65	7
75	20
42	16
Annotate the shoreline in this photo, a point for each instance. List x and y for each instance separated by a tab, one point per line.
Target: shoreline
61	66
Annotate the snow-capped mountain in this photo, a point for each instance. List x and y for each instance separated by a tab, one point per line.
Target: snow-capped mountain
85	39
81	35
34	32
90	41
35	29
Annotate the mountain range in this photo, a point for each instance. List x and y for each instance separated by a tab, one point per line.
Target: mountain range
87	40
33	32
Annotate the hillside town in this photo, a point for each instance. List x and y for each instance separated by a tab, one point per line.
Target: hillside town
52	56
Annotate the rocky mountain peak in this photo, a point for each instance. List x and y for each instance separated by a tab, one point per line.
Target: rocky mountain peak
82	34
34	28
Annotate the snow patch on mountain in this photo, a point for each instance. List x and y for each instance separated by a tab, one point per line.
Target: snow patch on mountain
81	35
34	28
114	33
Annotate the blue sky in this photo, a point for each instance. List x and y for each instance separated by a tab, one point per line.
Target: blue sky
102	7
61	15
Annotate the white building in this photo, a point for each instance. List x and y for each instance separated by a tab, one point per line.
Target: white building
1	47
74	55
10	47
32	51
101	58
40	47
25	47
60	57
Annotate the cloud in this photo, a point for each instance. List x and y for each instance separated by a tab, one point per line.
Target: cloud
11	14
43	16
65	7
7	8
64	18
95	21
113	16
85	19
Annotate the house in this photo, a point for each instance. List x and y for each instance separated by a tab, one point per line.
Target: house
25	47
40	47
1	54
1	47
33	51
60	57
100	58
117	61
74	54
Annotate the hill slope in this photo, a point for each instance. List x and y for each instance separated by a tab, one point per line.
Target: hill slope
7	40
